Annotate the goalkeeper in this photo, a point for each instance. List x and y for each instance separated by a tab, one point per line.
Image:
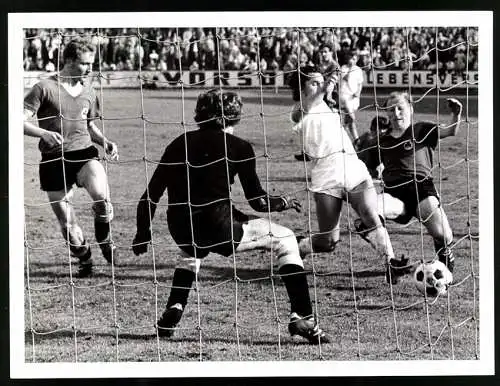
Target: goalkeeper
406	152
198	169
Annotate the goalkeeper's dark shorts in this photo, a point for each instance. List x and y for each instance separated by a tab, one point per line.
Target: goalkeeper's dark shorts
214	228
53	175
411	194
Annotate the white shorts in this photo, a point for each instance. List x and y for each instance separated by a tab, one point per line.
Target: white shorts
325	181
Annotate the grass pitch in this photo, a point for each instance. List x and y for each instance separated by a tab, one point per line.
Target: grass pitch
240	310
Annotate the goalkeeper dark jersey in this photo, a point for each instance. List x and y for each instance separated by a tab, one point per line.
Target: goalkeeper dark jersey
409	155
197	170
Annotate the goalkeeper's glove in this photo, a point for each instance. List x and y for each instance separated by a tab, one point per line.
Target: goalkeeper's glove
290	203
140	242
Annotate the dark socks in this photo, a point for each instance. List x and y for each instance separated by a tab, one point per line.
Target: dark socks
182	278
445	255
101	231
296	285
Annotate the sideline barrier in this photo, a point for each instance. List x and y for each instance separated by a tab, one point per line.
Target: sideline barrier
269	79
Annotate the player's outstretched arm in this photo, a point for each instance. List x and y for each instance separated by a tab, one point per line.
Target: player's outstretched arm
456	115
51	138
146	208
110	148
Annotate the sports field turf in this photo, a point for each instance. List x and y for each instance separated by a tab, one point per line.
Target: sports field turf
240	311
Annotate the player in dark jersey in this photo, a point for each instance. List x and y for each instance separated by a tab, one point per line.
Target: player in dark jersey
197	169
406	152
329	67
61	110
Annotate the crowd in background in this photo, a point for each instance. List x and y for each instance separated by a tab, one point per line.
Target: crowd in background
251	49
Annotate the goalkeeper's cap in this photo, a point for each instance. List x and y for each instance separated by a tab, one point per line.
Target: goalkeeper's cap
218	109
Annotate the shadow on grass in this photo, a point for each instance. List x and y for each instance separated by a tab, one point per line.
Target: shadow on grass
88	335
209	273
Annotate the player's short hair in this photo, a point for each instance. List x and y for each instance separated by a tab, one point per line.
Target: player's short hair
218	109
398	94
76	47
298	81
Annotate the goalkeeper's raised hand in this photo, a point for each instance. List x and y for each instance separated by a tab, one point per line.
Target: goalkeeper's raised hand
140	242
290	203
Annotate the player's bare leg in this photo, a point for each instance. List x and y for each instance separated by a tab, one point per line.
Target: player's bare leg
328	210
71	231
390	207
436	222
364	201
93	178
260	233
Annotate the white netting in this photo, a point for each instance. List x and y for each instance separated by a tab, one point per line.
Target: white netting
238	309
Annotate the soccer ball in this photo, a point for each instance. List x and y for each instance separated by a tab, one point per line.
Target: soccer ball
432	278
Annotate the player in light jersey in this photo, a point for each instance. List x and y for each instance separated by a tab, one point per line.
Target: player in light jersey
61	110
350	86
406	152
197	169
329	67
336	174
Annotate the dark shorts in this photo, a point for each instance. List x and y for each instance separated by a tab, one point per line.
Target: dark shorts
52	174
211	229
407	193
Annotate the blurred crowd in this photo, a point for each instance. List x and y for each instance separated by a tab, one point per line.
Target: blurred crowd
251	49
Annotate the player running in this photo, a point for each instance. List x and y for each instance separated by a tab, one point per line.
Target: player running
198	169
61	110
336	174
350	86
406	152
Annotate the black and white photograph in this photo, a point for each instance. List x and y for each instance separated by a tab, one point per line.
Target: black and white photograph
267	193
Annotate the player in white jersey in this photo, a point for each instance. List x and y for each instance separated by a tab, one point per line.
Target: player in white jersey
329	67
336	173
351	84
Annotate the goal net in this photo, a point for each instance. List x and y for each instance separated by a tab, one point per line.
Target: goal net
147	81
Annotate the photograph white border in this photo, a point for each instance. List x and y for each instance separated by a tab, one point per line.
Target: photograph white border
21	369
